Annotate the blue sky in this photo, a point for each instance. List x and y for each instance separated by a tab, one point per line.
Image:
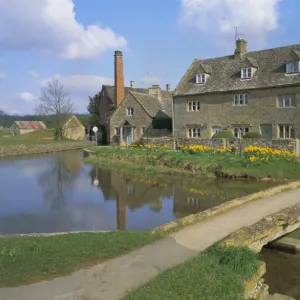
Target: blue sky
74	41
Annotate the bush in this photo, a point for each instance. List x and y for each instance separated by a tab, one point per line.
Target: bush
223	134
252	135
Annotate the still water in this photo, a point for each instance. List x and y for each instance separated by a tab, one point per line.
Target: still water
58	193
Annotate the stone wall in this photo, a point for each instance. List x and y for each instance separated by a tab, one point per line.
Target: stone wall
22	149
287	144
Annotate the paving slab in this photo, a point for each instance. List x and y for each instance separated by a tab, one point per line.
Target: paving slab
113	279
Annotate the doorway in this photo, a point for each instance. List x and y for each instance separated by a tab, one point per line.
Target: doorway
266	131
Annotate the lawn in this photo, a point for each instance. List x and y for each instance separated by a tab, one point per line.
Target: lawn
218	273
25	260
33	138
201	163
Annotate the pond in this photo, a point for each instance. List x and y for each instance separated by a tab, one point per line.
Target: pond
60	193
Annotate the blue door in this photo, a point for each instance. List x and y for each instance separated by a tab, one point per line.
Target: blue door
128	135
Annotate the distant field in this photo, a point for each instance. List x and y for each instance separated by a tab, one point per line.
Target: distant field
36	137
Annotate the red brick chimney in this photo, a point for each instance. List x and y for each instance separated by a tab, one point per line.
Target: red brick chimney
119	78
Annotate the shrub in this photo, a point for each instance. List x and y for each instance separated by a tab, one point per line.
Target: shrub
223	134
252	135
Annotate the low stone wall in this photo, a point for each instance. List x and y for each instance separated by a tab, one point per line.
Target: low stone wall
286	144
21	149
259	234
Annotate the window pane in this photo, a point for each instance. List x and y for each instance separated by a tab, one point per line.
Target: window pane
246	98
280	101
286	101
198	105
246	129
249	72
286	131
292	132
236	100
293	100
281	134
190	106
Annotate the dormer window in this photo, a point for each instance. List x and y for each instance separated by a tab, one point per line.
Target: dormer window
129	111
293	67
200	78
246	73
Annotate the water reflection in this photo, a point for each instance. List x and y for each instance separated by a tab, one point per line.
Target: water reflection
57	192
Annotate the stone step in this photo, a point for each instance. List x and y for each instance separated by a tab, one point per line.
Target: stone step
278	297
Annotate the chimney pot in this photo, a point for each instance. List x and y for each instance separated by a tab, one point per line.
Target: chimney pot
241	47
168	87
132	84
119	78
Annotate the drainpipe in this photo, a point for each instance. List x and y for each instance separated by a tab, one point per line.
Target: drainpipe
173	127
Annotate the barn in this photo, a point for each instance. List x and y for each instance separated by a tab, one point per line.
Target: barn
22	127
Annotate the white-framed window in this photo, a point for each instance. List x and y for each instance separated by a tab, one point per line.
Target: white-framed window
193	106
238	132
286	100
117	130
246	73
142	130
129	111
293	67
240	99
200	78
286	131
193	132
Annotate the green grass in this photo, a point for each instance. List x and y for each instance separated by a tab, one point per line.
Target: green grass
200	165
38	137
25	260
218	273
4	132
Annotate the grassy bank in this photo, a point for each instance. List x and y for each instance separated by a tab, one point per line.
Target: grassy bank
25	260
33	138
201	163
218	273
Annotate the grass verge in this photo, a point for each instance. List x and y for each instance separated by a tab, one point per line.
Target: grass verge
218	273
200	164
25	260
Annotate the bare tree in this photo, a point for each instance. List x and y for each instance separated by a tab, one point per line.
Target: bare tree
55	103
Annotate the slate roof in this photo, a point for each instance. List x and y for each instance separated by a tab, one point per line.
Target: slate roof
225	72
153	105
37	125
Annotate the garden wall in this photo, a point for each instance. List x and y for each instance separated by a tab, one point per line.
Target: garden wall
286	145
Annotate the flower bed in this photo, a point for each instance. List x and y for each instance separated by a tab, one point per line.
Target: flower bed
253	155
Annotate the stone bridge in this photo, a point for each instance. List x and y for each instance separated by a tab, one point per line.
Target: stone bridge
272	231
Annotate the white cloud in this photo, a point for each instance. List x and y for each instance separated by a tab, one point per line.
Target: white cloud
51	27
26	97
80	87
218	17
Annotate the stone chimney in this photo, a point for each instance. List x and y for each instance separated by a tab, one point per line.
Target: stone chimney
168	87
119	78
155	91
241	48
132	84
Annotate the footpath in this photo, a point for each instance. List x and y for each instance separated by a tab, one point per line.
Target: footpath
113	279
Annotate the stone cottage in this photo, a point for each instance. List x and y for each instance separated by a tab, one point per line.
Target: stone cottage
22	127
126	113
73	129
244	92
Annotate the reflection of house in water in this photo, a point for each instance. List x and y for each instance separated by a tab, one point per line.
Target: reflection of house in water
72	161
129	193
189	202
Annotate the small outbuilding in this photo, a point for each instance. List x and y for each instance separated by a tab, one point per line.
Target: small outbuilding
73	129
22	127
